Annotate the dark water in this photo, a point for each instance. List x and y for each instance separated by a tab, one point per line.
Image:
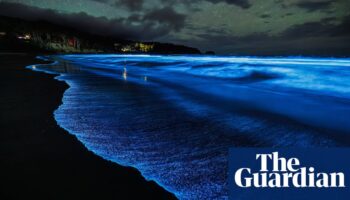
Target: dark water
174	117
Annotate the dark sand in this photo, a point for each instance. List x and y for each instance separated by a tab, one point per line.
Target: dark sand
38	159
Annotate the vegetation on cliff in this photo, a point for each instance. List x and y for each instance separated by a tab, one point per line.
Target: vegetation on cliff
50	37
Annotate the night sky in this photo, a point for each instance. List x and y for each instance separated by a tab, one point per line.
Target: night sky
246	27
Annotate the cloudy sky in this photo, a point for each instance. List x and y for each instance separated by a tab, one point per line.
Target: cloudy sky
246	27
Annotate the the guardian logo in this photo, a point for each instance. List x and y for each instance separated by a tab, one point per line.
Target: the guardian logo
279	172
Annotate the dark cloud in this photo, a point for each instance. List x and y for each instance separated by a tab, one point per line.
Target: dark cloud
309	29
133	5
327	35
101	1
314	5
135	18
265	16
155	24
313	38
241	3
167	16
329	19
323	28
288	14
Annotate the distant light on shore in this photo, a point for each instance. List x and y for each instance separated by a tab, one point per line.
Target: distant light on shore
125	74
25	37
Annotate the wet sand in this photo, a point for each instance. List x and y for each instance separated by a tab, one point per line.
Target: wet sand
40	160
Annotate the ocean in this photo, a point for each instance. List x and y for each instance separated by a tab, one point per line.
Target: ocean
174	118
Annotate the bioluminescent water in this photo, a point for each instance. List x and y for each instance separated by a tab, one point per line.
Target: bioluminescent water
175	117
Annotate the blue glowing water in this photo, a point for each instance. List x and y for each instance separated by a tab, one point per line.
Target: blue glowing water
174	117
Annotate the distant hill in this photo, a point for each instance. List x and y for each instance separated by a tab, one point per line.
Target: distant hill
45	36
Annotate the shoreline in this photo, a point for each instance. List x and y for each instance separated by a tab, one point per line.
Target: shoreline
56	76
41	159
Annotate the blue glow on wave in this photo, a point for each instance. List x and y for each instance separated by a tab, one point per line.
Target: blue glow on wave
174	117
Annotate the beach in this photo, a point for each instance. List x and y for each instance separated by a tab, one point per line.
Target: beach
189	100
40	160
174	118
171	119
